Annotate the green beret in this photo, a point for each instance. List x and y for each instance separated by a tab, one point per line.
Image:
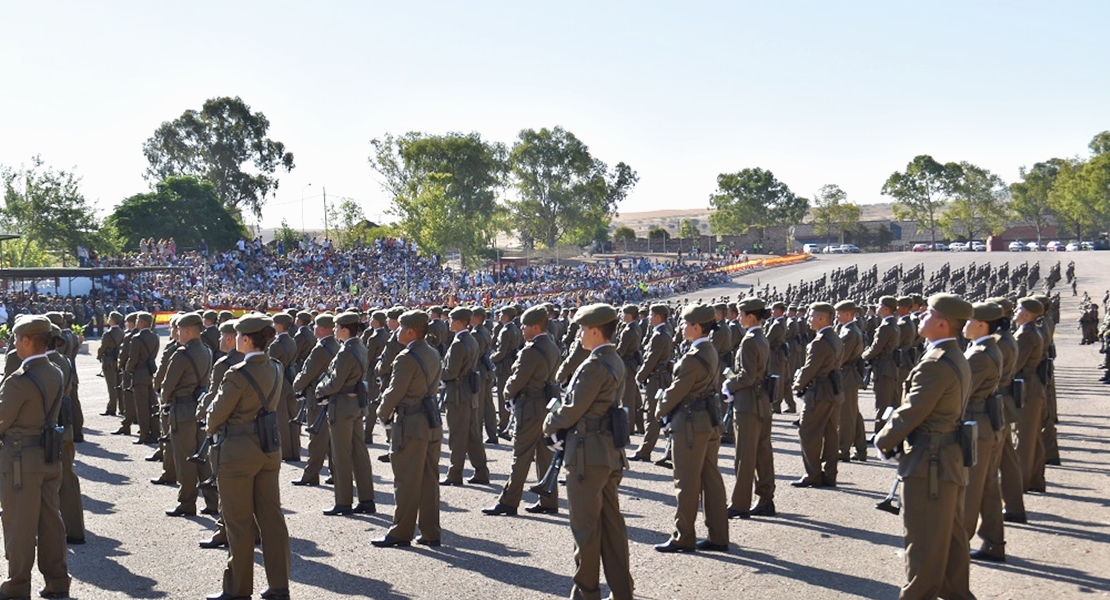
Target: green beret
283	319
792	307
460	313
131	317
325	320
304	316
346	318
228	326
699	313
986	311
905	302
1005	303
846	305
918	299
115	316
595	315
478	311
1031	305
190	320
889	302
631	309
55	317
435	309
379	316
211	315
55	331
537	315
823	307
253	322
31	325
226	315
721	306
509	310
780	305
395	312
1045	300
414	318
750	305
661	309
145	317
951	306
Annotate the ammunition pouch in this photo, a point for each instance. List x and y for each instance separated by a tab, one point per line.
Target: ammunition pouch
836	381
861	368
473	381
65	413
771	386
151	365
290	373
1043	369
51	440
1017	390
899	358
486	363
995	411
969	442
266	424
619	425
362	393
1052	351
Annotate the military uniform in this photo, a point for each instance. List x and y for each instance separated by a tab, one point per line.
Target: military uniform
779	350
139	378
314	367
814	383
126	392
628	347
985	362
696	440
509	339
881	354
219	369
1030	444
1008	475
851	428
375	345
461	402
656	375
747	393
487	412
284	350
185	383
417	438
69	493
29	486
108	355
595	468
932	470
247	476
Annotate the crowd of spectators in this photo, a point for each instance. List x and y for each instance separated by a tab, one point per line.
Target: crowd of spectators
385	272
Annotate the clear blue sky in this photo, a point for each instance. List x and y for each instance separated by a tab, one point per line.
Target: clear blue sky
817	92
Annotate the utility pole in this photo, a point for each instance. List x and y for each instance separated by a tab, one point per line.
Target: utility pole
325	191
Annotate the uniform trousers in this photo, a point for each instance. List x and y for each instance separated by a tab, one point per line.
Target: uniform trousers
249	494
32	513
350	458
528	447
415	466
754	462
697	479
600	535
984	495
464	438
937	551
820	446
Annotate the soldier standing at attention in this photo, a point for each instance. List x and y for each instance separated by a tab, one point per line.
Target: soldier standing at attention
594	463
696	433
817	384
461	401
655	374
1030	344
628	347
126	393
851	427
487	412
907	338
314	367
187	376
409	403
247	472
30	399
108	355
69	495
528	388
1009	470
881	354
375	338
231	357
932	470
746	393
340	390
779	348
211	334
284	350
139	372
304	338
508	342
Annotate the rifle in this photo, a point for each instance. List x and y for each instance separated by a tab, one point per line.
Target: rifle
318	422
302	412
201	455
891	504
546	486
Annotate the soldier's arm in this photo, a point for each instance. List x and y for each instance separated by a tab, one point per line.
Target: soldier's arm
918	403
13	393
217	376
404	369
455	362
313	367
809	369
334	377
224	403
747	361
523	370
504	346
653	358
174	370
582	394
686	373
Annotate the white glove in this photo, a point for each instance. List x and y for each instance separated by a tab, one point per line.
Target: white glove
442	386
555	444
726	393
510	403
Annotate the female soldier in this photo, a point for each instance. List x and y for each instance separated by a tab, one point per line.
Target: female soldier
689	404
249	462
746	393
339	387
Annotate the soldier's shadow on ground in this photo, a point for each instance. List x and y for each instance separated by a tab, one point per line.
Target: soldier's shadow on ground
326	578
834	580
481	556
92	564
1085	582
91	473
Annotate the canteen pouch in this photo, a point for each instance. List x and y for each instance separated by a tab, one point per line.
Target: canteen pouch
619	424
898	358
1017	390
151	365
431	412
1052	351
472	381
995	411
1042	370
836	380
713	408
267	425
51	439
363	394
65	413
969	442
551	390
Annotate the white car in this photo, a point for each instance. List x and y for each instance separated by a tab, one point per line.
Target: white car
849	249
811	248
1054	246
1087	246
958	247
1072	247
978	247
1035	247
1017	246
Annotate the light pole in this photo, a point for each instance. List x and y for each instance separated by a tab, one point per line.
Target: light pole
302	207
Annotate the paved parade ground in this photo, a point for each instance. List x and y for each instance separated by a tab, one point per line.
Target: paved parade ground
824	543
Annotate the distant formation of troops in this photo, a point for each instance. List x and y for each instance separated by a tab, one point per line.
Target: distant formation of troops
964	401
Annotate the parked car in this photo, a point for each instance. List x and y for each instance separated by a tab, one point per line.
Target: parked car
1035	247
958	247
832	250
940	247
922	247
978	247
849	249
1054	246
1072	247
1087	246
1017	246
810	248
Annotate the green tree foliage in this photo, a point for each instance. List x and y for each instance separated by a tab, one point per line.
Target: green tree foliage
287	236
624	234
47	208
1080	197
688	230
187	209
224	143
753	198
875	238
444	188
1029	197
351	227
658	233
1100	144
921	192
832	213
978	205
563	190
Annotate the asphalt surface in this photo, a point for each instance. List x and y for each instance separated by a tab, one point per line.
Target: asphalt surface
823	543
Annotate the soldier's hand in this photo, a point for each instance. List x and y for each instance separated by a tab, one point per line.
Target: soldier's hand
554	443
726	393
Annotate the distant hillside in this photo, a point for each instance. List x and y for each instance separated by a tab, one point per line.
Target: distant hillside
671	220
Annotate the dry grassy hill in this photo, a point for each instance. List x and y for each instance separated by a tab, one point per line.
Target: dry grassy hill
671	220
